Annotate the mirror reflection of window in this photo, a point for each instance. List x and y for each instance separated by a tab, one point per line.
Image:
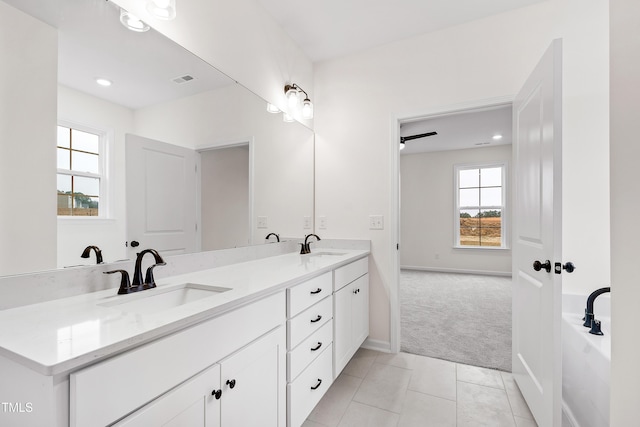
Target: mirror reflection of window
80	172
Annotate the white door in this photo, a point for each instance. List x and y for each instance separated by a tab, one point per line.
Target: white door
161	196
537	237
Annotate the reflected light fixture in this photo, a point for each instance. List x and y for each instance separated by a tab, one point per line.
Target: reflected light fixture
401	144
272	108
287	118
292	93
103	82
162	9
497	137
132	22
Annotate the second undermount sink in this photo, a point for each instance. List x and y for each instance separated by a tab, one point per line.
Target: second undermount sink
327	253
162	298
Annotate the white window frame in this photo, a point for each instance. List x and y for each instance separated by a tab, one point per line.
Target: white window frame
503	208
104	155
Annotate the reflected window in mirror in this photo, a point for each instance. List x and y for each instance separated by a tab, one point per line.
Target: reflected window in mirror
81	165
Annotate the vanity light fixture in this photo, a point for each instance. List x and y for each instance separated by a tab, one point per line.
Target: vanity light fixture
162	9
132	22
292	93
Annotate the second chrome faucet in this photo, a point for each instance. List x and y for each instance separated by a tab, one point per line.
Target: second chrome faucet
138	283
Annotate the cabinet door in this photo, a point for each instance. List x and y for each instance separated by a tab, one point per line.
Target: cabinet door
192	403
342	335
254	383
360	312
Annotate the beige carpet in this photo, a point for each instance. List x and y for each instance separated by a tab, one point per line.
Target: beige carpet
458	317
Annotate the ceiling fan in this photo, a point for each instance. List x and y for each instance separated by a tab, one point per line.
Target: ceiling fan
403	139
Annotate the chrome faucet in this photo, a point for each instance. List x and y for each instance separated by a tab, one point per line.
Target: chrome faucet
589	318
306	249
87	252
272	234
138	284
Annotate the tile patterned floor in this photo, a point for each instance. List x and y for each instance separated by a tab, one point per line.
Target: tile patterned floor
404	390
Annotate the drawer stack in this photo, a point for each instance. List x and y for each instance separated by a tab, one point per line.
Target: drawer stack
309	345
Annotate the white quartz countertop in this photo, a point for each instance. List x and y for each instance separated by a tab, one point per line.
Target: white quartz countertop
61	335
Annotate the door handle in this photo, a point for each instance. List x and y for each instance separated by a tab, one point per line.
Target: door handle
569	267
135	244
537	265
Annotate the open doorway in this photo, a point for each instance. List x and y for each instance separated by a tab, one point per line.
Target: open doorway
225	197
455	258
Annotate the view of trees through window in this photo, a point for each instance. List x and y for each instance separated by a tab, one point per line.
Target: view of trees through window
79	171
480	205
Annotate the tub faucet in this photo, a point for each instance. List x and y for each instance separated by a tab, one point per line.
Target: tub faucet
306	249
87	252
149	281
272	234
589	319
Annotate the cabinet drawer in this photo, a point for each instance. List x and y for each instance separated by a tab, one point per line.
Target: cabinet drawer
308	350
306	391
346	274
142	374
309	321
308	293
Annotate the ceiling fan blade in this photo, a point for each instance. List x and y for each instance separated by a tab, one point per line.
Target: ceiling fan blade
422	135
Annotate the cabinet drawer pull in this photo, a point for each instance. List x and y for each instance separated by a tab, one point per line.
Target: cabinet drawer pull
317	291
317	385
356	291
231	383
216	394
317	319
317	347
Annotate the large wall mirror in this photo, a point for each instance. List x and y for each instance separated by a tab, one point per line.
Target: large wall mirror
171	150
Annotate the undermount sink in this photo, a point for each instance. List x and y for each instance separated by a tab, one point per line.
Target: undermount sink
162	298
327	253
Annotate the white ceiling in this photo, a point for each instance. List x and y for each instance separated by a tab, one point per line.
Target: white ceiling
92	43
332	28
471	129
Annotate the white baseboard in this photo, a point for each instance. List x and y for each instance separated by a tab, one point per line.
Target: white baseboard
456	270
378	345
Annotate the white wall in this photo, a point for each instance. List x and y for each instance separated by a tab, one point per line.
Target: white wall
224	174
625	206
109	233
240	39
358	96
28	83
283	153
427	212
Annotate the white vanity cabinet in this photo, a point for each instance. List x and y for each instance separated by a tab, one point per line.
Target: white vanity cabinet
351	311
220	395
246	347
309	346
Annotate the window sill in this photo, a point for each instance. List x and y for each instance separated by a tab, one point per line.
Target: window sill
483	248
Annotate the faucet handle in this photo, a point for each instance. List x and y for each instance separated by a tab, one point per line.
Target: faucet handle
149	281
125	284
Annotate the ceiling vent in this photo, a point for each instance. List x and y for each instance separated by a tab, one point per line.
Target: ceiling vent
183	79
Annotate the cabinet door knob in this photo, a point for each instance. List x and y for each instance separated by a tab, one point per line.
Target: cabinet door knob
317	385
216	394
231	383
356	291
317	319
317	347
317	291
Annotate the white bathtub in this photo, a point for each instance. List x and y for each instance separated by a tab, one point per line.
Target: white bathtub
586	364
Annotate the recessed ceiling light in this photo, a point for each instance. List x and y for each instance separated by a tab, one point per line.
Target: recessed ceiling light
103	82
497	136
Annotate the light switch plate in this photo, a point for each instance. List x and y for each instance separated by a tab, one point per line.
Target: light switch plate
262	222
376	222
